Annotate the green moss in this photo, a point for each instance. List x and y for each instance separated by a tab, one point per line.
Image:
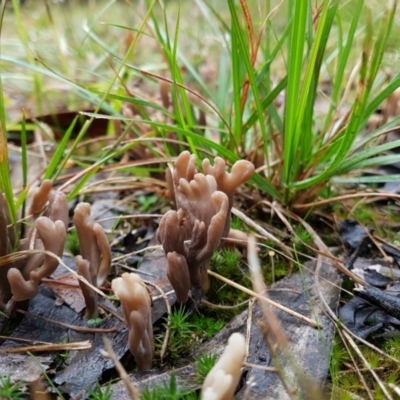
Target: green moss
203	365
227	263
236	223
206	326
11	391
346	380
100	393
73	243
181	339
169	391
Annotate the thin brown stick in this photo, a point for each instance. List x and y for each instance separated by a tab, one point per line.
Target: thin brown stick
49	347
109	353
65	325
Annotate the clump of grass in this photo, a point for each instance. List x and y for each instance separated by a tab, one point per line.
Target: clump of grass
169	391
203	365
181	337
100	392
11	391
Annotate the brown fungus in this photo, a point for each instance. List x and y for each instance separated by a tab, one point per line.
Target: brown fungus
223	378
20	279
95	261
52	238
136	305
7	243
204	202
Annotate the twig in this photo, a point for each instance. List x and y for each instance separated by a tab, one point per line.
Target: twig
109	353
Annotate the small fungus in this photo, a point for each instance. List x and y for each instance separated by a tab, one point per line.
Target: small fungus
222	380
136	305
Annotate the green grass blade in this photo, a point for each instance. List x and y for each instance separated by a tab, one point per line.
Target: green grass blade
304	118
200	140
5	182
370	179
266	102
342	59
347	165
237	79
295	65
371	59
243	51
55	161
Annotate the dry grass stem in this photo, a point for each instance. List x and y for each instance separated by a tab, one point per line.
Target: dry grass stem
49	347
69	326
360	375
395	388
109	353
345	197
272	321
125	256
262	367
275	336
367	365
262	231
324	251
223	307
249	324
112	312
270	302
168	330
17	339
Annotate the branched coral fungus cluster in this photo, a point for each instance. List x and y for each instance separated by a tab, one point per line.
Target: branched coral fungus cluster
203	202
48	220
189	237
